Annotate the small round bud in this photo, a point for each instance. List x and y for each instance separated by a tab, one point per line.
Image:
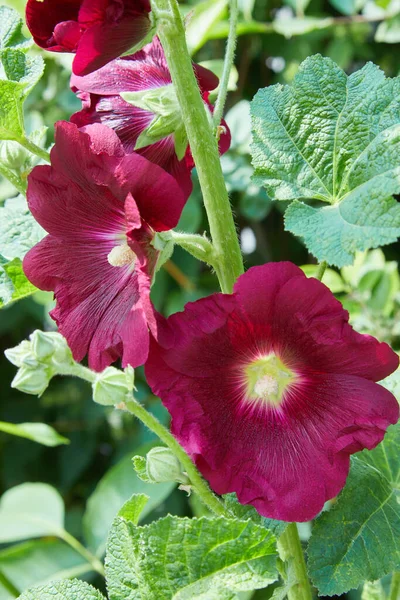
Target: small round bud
161	466
113	386
13	155
32	380
51	348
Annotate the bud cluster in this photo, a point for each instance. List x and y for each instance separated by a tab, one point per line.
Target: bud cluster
46	354
38	360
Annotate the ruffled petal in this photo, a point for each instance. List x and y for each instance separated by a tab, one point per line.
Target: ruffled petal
286	463
103	42
312	328
42	17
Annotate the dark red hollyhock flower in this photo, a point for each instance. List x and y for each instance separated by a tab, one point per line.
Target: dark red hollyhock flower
97	30
145	70
270	390
100	208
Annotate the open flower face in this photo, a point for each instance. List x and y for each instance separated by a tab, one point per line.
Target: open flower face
96	30
151	122
271	390
100	208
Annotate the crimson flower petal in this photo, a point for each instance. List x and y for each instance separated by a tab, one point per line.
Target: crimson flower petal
285	457
98	257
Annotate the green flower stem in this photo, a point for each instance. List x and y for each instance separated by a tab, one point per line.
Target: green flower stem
34	148
321	270
14	179
197	245
203	144
77	370
199	484
394	593
292	551
95	563
229	57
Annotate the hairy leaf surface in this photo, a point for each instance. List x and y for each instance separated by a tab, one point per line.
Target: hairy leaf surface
332	138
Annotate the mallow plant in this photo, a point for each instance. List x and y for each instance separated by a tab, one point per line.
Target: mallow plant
281	412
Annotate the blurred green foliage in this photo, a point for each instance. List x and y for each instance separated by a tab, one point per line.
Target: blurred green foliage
274	39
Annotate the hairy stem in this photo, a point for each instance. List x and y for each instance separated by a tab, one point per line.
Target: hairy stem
292	551
229	57
95	563
200	486
13	178
321	270
394	593
203	144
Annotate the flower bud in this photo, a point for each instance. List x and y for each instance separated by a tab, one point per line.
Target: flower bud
32	380
51	348
160	466
20	353
113	386
13	155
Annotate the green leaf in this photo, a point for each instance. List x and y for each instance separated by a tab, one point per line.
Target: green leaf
335	233
20	74
389	31
37	562
202	19
63	590
13	283
245	512
30	510
184	559
373	590
290	27
115	488
327	138
11	30
37	432
332	279
348	7
133	508
356	540
19	231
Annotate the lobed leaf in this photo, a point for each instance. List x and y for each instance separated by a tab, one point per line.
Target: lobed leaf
182	559
336	139
359	538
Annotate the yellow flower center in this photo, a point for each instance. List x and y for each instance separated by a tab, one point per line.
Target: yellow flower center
266	380
121	255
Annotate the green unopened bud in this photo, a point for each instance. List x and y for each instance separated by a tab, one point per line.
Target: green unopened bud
51	348
160	466
113	386
20	353
32	380
13	155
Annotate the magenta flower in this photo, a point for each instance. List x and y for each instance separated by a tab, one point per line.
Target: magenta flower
96	30
100	208
147	74
270	390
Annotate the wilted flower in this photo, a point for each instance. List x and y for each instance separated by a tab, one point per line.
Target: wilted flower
101	209
151	122
271	390
96	30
